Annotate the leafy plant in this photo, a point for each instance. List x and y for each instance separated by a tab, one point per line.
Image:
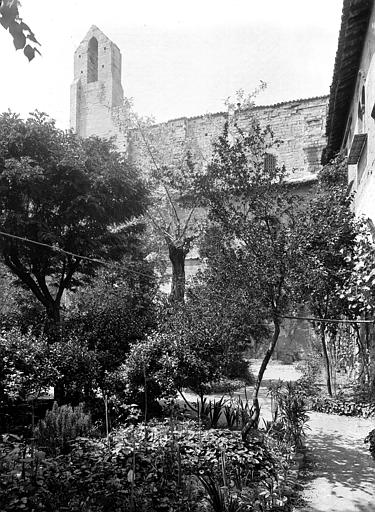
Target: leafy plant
154	467
370	438
60	427
77	195
342	407
292	412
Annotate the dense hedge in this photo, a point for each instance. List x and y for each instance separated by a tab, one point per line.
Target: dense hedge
342	407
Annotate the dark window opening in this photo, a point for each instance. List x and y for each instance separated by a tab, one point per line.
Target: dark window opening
361	109
92	60
269	162
363	99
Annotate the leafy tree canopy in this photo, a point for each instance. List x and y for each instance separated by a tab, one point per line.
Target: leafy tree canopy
255	214
77	195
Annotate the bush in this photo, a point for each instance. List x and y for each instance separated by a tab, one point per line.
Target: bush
60	427
311	369
342	407
371	440
289	412
145	468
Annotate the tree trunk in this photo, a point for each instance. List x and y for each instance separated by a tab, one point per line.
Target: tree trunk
326	359
267	357
53	333
177	257
52	328
253	422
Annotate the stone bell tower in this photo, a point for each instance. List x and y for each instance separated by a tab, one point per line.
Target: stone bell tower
96	94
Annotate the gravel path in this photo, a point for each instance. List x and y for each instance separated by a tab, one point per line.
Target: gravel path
340	473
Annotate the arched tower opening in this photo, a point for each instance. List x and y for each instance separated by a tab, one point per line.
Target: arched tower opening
92	60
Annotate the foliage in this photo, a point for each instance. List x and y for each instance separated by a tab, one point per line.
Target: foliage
290	412
154	467
23	37
217	499
329	233
255	247
370	438
77	195
222	309
360	289
61	425
26	369
311	369
227	386
18	306
149	372
115	311
173	214
30	365
192	349
342	407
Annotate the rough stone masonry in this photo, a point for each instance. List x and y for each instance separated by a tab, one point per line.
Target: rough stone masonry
98	108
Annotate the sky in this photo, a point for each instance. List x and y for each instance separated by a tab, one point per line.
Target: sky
179	57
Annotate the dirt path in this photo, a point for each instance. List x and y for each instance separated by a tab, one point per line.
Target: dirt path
340	474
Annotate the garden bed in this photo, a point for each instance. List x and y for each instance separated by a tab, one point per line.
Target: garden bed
164	466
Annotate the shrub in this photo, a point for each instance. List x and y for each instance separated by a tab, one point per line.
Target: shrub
370	438
155	468
60	427
290	412
342	407
311	369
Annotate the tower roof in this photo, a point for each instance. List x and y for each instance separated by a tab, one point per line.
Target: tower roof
94	31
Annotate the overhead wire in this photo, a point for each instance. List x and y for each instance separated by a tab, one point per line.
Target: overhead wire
69	253
136	272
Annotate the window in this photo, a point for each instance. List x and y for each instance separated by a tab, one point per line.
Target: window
361	109
358	155
269	162
92	60
363	100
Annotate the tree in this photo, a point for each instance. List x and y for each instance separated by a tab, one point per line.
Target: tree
115	311
256	215
358	295
328	230
77	195
23	37
26	369
173	214
195	346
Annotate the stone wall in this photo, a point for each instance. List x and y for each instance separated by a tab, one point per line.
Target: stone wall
97	108
298	125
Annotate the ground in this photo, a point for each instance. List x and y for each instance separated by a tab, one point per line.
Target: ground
340	472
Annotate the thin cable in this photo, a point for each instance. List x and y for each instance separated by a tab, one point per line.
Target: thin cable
68	253
102	262
327	320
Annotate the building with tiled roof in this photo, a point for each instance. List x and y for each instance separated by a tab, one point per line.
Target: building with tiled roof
351	112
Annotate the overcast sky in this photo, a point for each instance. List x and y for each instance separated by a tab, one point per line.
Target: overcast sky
180	57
